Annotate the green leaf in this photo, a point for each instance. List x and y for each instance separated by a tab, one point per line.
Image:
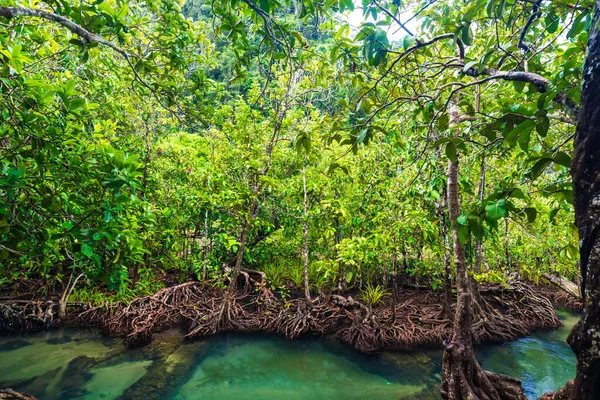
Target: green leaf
408	41
87	250
542	125
511	138
362	135
468	16
524	139
76	103
518	194
495	210
67	225
451	151
476	227
562	158
539	167
467	36
552	21
469	65
552	214
577	25
349	276
531	214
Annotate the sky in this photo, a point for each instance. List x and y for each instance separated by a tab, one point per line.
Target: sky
395	33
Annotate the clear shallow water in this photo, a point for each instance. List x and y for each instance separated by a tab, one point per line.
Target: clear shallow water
80	364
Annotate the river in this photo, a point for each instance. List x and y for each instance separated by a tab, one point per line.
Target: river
81	364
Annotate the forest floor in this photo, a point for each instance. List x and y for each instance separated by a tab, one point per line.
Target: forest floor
406	320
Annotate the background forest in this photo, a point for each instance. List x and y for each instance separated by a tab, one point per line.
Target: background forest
204	127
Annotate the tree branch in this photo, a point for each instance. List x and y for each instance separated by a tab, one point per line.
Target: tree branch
90	37
12	12
539	82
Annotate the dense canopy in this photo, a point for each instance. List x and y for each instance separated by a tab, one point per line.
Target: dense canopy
325	146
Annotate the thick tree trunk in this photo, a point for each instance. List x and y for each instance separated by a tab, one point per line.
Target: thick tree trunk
585	169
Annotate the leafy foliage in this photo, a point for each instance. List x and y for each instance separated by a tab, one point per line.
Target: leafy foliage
141	170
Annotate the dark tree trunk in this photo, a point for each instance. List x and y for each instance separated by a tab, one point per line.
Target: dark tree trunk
585	169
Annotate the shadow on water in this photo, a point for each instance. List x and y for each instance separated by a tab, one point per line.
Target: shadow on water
81	364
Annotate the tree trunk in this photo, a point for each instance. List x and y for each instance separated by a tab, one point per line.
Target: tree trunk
585	170
207	245
462	377
480	196
305	253
238	261
446	310
506	245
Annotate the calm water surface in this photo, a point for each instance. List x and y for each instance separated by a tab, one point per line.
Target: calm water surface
81	364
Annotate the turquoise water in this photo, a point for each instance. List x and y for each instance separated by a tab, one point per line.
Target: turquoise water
81	364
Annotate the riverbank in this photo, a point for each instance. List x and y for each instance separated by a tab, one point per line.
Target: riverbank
409	319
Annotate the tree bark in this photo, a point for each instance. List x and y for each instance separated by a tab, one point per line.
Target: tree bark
447	267
238	261
305	253
506	245
207	247
585	170
480	196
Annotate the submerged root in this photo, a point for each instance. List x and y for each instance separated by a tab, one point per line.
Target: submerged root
10	394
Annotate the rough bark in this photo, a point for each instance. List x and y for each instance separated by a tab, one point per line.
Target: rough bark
585	170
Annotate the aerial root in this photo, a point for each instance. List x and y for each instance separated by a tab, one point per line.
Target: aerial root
504	314
407	322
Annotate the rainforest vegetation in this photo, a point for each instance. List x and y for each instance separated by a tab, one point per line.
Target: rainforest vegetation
395	173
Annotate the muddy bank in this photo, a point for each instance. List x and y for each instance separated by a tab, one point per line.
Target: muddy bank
407	320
